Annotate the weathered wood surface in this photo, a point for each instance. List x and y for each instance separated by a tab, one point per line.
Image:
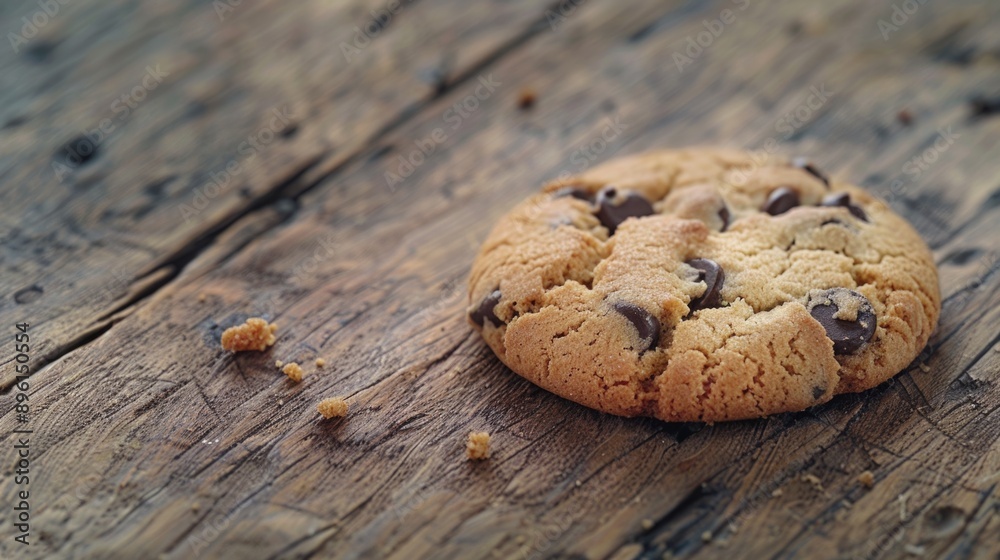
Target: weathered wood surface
86	240
151	441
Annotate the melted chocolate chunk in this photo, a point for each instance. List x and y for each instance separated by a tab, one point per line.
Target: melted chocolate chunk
781	200
645	324
575	192
847	336
818	392
613	209
808	166
844	199
724	214
713	276
485	310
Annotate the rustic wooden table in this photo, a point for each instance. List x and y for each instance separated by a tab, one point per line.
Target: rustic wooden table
253	155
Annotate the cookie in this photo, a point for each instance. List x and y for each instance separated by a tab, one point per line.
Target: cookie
704	285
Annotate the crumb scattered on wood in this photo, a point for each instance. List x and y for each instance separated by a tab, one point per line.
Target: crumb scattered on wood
478	446
778	492
333	407
202	297
278	364
293	371
647	524
526	98
814	480
320	362
915	550
706	536
254	334
867	479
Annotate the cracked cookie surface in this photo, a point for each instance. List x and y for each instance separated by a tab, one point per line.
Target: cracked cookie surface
704	285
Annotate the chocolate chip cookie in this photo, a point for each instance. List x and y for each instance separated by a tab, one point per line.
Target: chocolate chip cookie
704	285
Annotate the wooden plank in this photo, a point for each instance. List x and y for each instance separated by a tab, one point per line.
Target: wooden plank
153	441
195	118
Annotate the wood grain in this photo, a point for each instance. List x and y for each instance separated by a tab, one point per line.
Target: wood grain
85	241
151	441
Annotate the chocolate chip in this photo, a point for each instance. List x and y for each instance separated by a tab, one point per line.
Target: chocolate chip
781	200
713	276
818	392
613	209
575	192
645	324
808	166
724	214
485	310
844	199
847	336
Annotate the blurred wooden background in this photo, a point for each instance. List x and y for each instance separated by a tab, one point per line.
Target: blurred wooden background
153	154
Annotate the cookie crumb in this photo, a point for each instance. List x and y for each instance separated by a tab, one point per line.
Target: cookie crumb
778	492
333	407
526	98
924	367
814	480
320	362
278	364
195	507
293	371
706	536
915	550
254	334
202	297
478	446
647	524
867	479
